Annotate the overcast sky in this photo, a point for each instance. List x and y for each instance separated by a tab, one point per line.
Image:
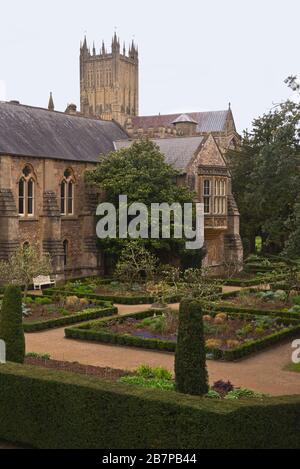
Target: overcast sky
194	54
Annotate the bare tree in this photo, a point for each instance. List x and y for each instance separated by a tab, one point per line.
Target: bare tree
25	264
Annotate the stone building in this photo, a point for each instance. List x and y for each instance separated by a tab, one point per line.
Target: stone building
109	81
44	155
43	196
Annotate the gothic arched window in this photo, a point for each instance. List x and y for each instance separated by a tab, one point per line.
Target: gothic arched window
67	193
26	192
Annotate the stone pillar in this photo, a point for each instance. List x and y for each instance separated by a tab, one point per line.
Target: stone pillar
9	224
232	240
52	243
91	256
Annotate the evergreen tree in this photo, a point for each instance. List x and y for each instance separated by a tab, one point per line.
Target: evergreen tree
141	173
266	177
11	327
190	360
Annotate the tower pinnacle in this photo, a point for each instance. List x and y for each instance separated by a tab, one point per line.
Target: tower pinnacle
51	103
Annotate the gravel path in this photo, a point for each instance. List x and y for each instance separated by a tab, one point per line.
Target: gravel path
262	372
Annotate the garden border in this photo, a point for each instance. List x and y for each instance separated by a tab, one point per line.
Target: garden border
83	332
259	312
122	300
84	315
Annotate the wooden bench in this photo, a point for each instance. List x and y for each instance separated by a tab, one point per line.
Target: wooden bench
41	280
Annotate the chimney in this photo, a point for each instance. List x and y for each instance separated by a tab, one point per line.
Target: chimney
71	109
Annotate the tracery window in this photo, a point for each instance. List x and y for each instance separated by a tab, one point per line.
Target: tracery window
67	193
220	197
207	195
26	192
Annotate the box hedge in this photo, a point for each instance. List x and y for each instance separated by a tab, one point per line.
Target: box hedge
227	308
88	332
57	410
122	300
84	315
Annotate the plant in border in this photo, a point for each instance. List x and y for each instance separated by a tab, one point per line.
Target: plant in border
11	324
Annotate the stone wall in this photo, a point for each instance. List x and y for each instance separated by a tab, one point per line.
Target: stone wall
47	226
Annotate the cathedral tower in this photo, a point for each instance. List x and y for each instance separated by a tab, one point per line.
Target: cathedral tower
109	81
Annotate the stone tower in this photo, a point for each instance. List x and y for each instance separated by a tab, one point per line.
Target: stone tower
109	81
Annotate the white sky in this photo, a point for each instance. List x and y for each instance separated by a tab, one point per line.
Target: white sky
194	55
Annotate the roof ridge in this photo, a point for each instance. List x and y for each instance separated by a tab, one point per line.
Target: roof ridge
181	113
29	106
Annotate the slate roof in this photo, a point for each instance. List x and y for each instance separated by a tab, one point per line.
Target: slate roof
178	151
184	118
37	132
213	121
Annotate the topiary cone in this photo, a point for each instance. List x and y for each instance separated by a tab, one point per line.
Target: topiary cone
190	360
11	325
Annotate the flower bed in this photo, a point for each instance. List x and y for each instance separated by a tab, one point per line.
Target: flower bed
40	313
119	293
228	337
259	302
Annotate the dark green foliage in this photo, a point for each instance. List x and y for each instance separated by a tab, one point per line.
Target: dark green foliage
54	409
190	360
11	328
141	173
85	315
266	180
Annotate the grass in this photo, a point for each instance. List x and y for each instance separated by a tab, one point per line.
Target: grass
294	367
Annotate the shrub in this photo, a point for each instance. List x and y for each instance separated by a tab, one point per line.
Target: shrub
147	372
42	300
223	387
42	356
72	301
242	393
154	383
11	327
54	409
190	360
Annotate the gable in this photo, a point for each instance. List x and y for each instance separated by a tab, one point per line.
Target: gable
209	155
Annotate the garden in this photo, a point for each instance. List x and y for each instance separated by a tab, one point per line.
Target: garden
228	336
45	312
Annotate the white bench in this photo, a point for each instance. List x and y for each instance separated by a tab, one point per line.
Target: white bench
41	280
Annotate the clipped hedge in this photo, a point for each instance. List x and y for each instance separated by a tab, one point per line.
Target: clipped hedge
86	332
122	300
191	375
57	410
251	282
84	315
221	307
259	344
11	327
